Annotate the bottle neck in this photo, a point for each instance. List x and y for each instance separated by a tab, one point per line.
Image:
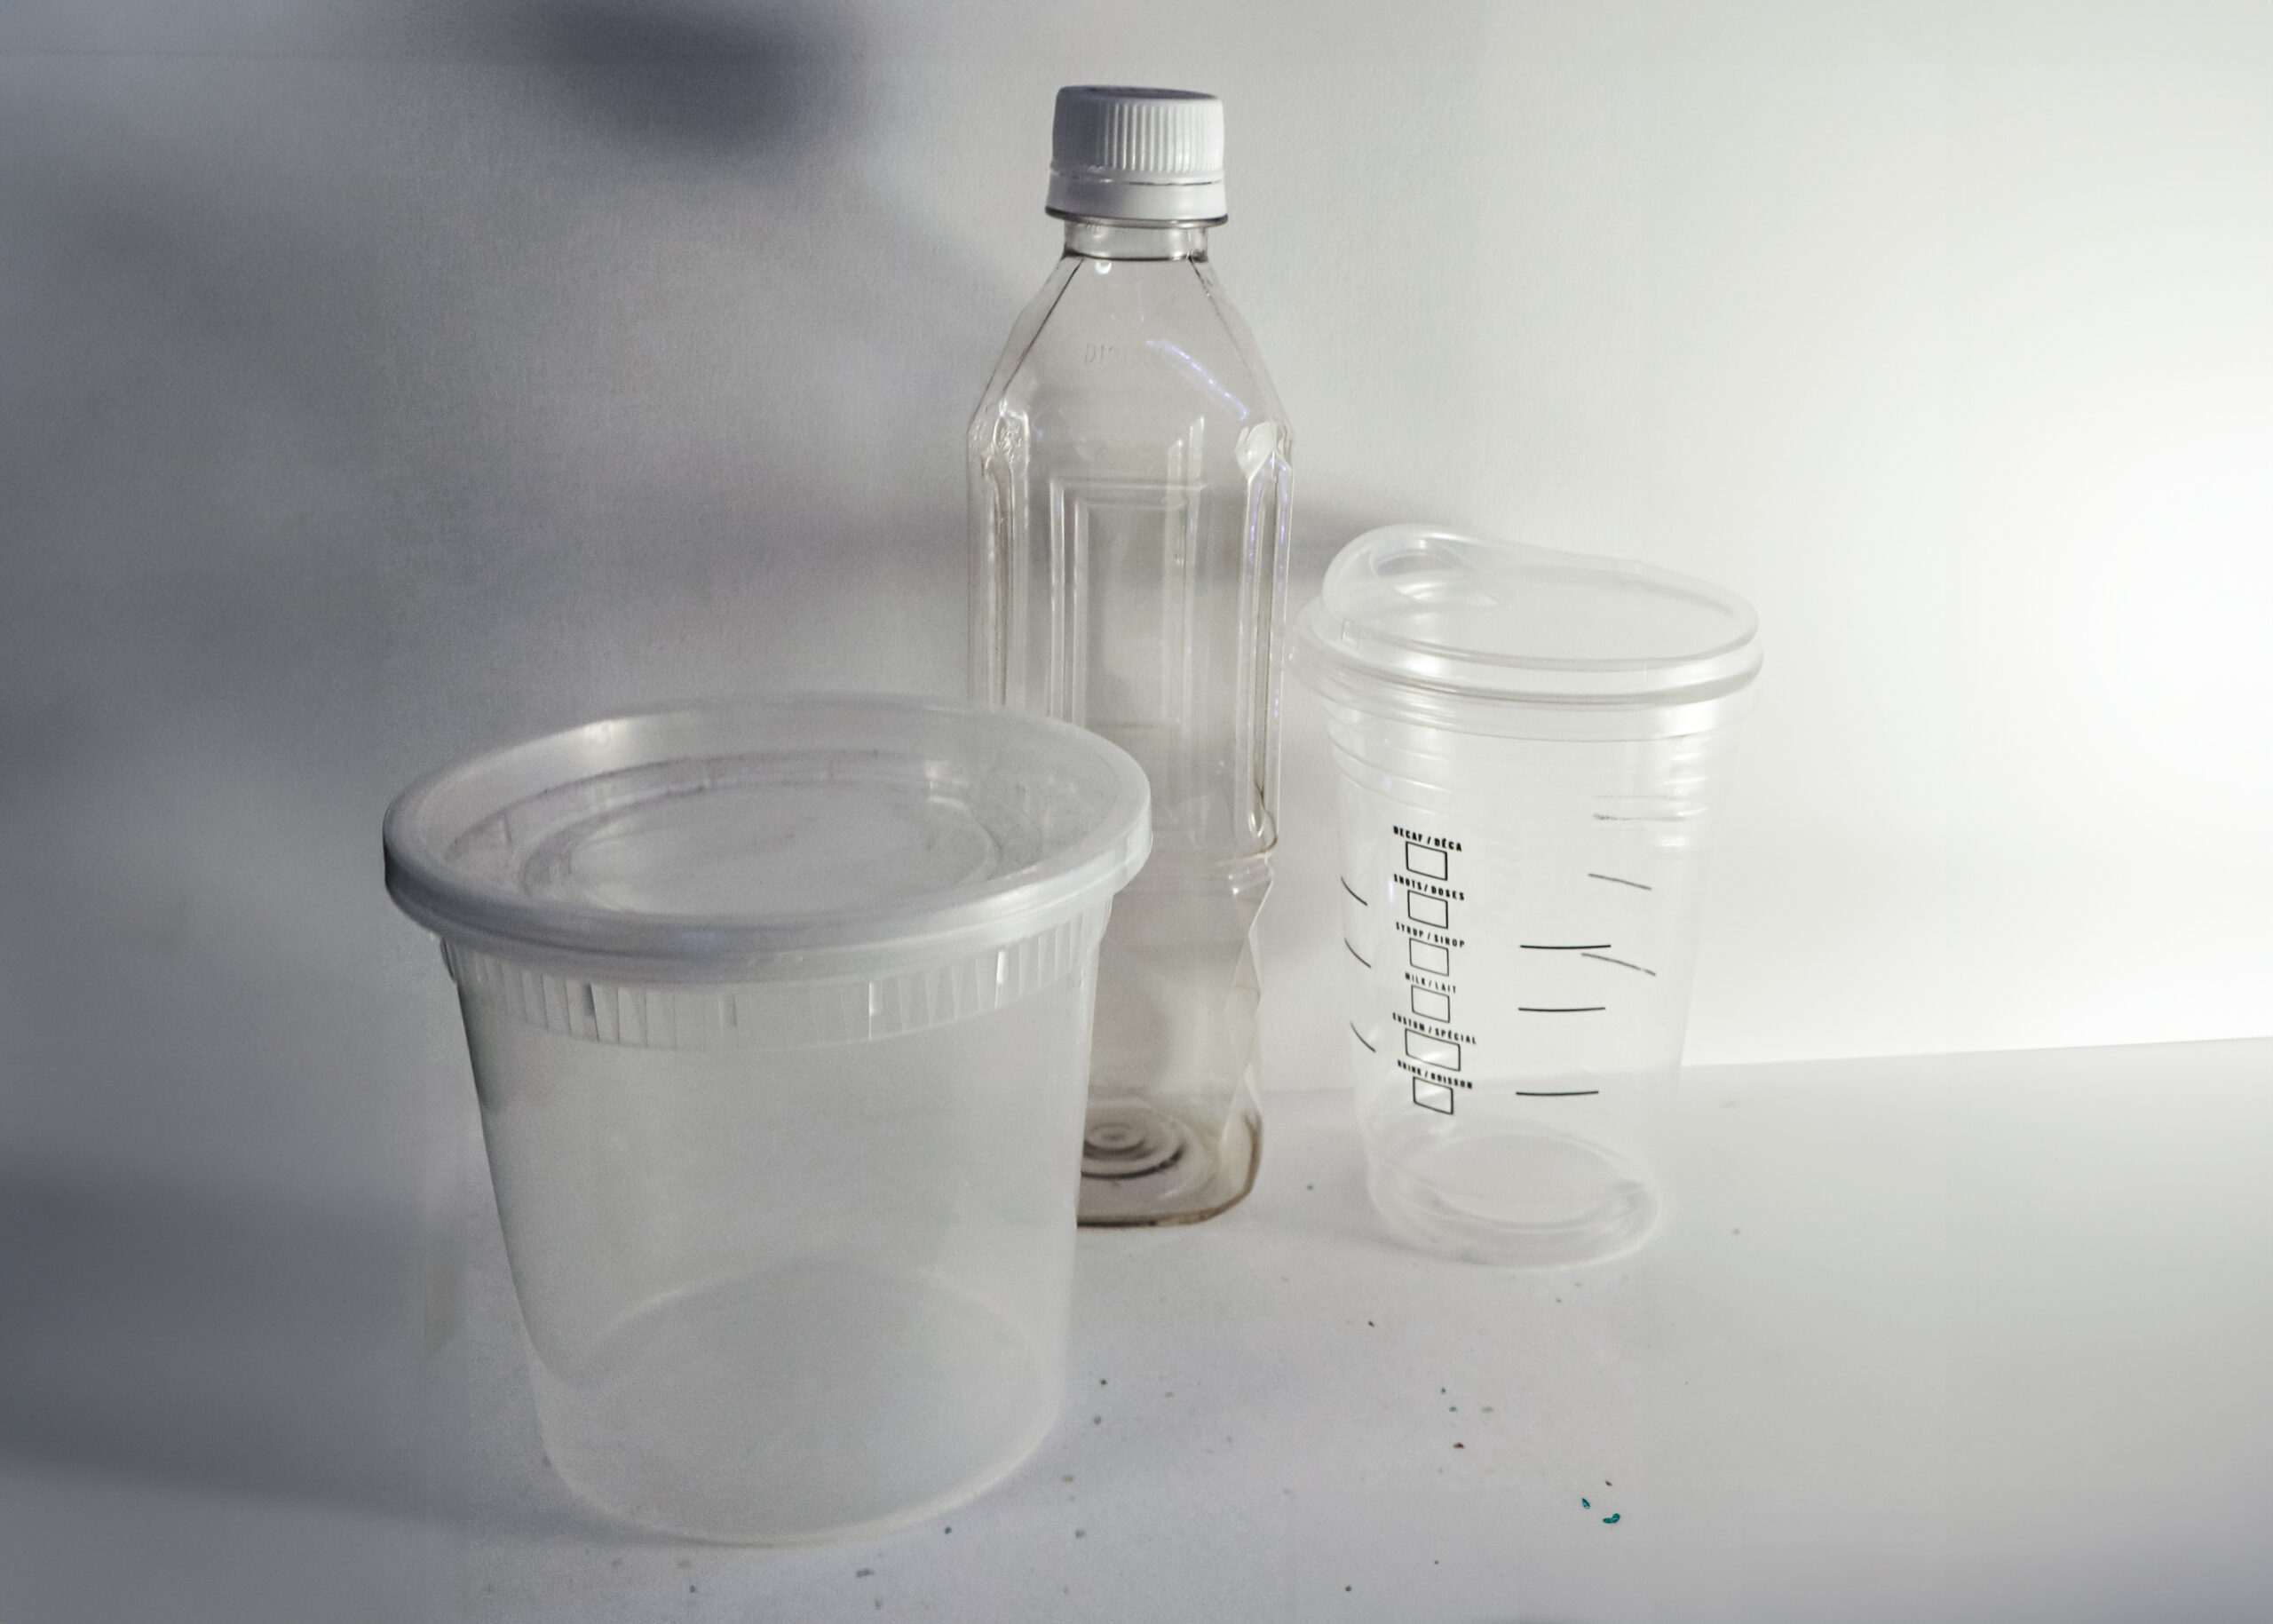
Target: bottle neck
1118	240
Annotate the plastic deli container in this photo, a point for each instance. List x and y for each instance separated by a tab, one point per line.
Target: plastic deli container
1532	749
780	1018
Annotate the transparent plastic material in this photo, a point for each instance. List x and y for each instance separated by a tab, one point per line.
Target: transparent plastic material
779	1015
1533	750
1130	478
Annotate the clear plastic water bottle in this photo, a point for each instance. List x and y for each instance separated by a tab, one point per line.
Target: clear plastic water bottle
1130	478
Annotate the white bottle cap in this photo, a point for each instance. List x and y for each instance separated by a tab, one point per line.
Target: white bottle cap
1118	153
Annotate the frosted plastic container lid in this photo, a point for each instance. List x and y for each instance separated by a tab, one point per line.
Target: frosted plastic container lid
1445	627
799	837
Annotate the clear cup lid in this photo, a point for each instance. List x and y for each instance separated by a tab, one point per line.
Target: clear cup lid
1412	613
806	836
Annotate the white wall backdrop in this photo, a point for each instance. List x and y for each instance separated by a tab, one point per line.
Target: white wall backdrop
380	380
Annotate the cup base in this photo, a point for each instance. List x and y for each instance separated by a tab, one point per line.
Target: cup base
1522	1199
824	1400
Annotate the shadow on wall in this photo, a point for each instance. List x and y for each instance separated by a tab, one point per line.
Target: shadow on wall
365	414
252	1346
235	1344
739	82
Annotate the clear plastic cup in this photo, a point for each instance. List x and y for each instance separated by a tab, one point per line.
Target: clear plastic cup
779	1016
1532	748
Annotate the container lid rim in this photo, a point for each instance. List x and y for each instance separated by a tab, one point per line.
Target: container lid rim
666	945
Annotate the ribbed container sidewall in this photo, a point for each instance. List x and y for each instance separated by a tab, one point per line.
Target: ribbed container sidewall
773	1015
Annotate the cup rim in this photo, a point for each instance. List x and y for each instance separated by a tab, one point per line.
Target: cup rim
1368	660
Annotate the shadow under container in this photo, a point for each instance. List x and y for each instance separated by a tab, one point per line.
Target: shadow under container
779	1016
1532	748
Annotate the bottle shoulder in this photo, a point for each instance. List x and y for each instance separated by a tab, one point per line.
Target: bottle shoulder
1242	338
1023	331
1133	332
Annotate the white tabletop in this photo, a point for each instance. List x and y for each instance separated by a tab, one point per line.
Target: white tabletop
1983	1336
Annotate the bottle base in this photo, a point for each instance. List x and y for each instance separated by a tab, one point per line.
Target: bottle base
1144	1162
